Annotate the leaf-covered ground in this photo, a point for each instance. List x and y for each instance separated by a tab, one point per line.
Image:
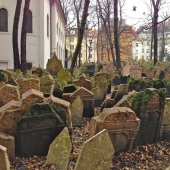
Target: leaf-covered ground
149	157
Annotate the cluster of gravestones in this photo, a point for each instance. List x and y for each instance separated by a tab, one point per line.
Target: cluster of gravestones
38	109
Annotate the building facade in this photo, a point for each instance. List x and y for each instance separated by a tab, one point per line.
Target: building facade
45	32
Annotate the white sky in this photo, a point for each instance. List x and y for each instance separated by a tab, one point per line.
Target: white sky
137	17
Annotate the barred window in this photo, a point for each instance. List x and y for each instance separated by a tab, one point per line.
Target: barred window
3	20
47	25
29	22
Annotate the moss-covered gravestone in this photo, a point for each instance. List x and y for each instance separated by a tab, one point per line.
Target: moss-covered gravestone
148	106
64	75
54	65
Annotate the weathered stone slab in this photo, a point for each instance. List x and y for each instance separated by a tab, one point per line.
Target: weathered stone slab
96	154
64	75
8	142
136	71
4	162
121	124
77	111
60	149
126	70
99	95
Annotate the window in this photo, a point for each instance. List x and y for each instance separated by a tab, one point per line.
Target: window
3	20
71	47
142	57
29	22
136	44
142	50
72	39
90	56
80	54
136	51
90	41
104	55
147	43
90	48
147	50
47	25
72	31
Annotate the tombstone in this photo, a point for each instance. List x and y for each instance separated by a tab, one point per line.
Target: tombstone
124	79
46	83
87	98
2	84
2	77
126	70
9	97
116	81
167	77
62	85
58	93
167	86
54	65
4	161
64	75
123	90
8	142
148	106
70	88
136	72
157	84
82	82
9	89
166	121
91	69
42	123
122	125
98	147
60	149
102	80
30	83
150	74
77	111
13	82
107	103
99	96
161	75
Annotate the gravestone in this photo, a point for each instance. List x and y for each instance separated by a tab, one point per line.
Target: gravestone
116	81
167	77
166	121
38	128
2	84
60	149
148	106
107	103
57	92
91	69
87	98
123	90
4	162
124	79
99	96
46	83
102	80
77	111
150	74
136	71
98	147
54	65
122	125
8	142
161	75
30	83
167	86
82	82
157	84
126	70
70	88
64	75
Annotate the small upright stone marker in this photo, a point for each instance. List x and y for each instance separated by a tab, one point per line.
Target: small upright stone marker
4	162
97	153
60	149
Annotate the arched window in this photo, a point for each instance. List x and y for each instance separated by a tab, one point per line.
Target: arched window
47	25
3	20
29	22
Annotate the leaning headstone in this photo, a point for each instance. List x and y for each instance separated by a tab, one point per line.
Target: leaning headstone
98	147
4	161
126	70
116	81
60	149
8	142
122	125
54	65
64	75
77	111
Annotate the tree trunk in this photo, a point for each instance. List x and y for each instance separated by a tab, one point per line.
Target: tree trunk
116	34
15	35
80	37
23	36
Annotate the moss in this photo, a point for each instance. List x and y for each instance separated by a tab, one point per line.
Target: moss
162	93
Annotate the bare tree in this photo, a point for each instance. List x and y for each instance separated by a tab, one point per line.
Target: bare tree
15	35
80	37
23	36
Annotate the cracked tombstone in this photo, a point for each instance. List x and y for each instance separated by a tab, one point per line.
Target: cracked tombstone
4	161
99	147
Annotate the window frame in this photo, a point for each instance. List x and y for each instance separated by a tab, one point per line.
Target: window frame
29	28
5	24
